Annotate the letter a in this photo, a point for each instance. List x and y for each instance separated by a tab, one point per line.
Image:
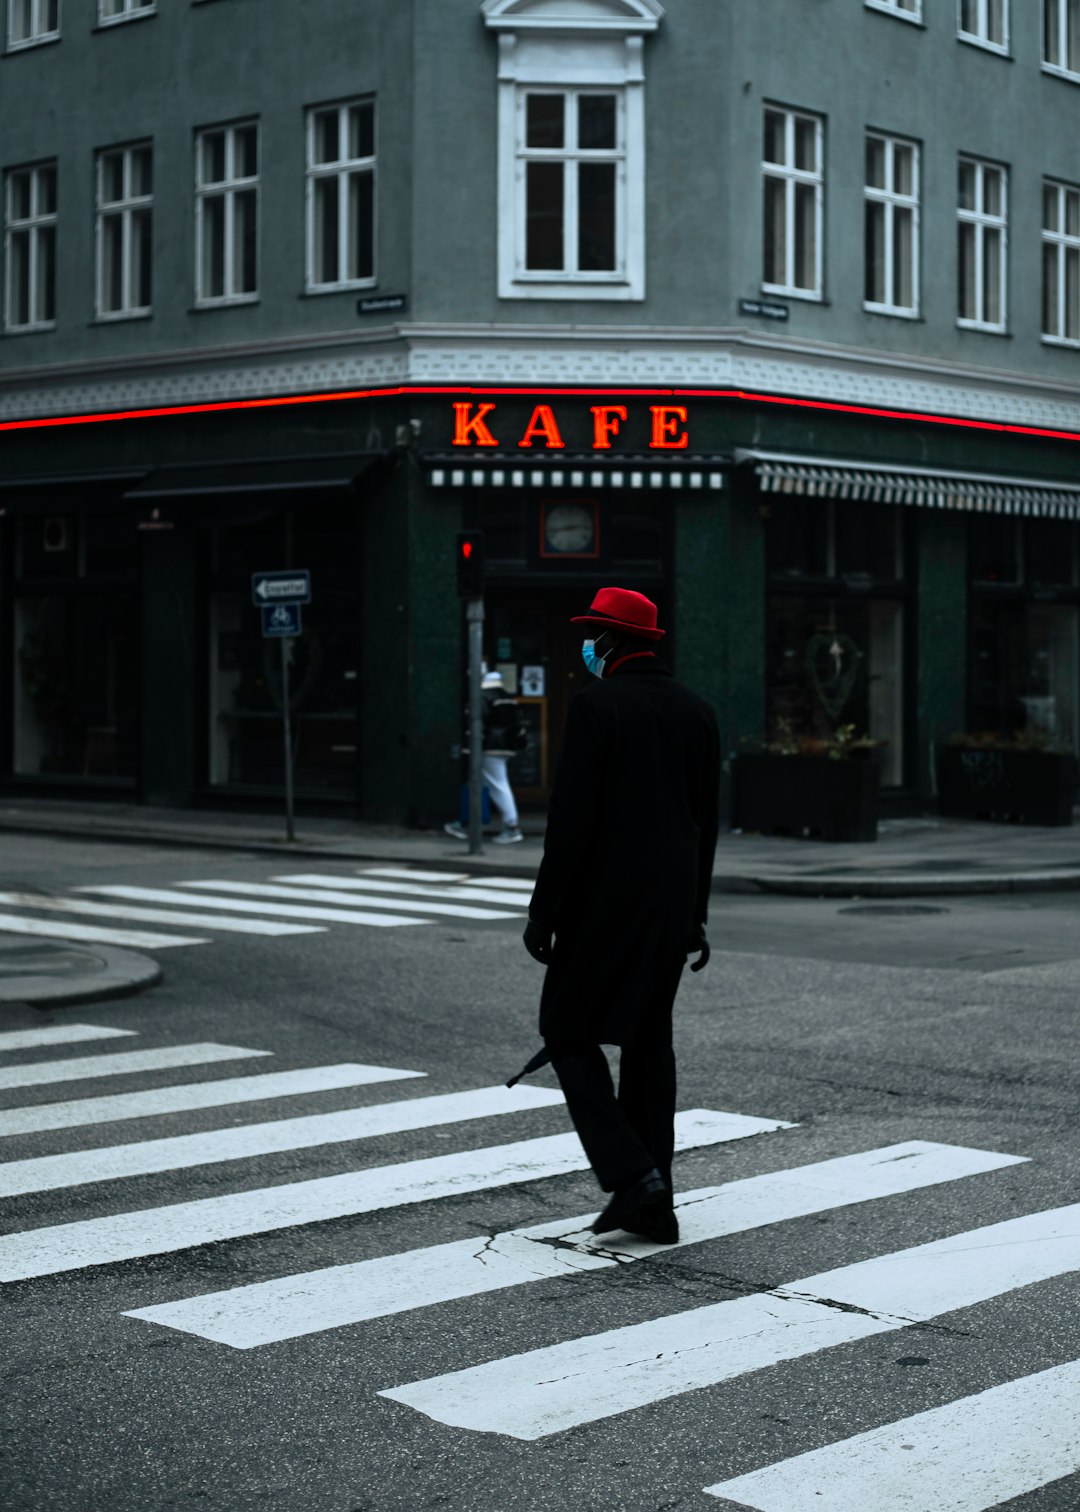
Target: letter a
543	424
471	430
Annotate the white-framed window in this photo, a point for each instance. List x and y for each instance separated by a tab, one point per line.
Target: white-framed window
570	209
1061	263
982	244
984	22
907	10
124	234
1061	37
30	247
572	146
110	11
892	226
794	202
341	196
227	214
30	21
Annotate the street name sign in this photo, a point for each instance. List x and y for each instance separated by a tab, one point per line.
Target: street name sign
281	587
281	619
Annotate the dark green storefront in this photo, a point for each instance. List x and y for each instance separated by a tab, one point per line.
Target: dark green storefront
911	575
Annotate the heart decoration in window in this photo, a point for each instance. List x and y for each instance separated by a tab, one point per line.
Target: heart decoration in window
832	664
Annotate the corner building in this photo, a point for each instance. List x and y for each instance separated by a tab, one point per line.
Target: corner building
771	312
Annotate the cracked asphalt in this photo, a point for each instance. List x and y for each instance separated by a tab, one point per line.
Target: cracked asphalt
862	1030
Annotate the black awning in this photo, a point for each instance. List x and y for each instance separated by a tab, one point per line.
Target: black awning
290	475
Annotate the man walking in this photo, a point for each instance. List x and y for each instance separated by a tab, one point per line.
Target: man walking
620	901
503	735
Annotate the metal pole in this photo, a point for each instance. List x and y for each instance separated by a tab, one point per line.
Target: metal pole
474	614
286	658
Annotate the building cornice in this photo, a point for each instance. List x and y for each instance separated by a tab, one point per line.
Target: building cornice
556	356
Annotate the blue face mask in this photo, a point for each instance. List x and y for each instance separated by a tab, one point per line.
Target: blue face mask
594	663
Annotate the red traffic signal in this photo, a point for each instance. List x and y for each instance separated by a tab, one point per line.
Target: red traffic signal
470	563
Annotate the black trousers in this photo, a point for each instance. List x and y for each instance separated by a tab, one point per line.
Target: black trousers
624	1134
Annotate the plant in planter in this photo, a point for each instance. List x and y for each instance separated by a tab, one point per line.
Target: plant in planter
1025	778
809	786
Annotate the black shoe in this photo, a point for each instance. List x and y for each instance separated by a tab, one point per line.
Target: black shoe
655	1221
629	1200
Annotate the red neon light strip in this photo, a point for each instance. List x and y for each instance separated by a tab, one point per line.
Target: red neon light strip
743	395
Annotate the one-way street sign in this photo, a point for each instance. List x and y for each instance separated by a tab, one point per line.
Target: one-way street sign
281	587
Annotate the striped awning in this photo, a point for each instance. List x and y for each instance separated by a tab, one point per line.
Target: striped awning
932	488
691	474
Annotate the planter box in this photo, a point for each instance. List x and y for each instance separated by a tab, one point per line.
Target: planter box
1021	787
809	797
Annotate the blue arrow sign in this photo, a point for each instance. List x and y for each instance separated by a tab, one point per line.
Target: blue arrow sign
281	587
281	619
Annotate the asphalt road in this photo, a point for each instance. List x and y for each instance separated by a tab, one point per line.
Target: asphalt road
863	1026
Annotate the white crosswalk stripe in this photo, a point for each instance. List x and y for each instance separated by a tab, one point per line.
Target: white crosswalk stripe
52	1172
190	1096
372	897
545	1391
968	1456
153	915
123	1063
271	1311
56	1034
178	1226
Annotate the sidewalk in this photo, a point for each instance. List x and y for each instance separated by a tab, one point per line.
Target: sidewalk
912	857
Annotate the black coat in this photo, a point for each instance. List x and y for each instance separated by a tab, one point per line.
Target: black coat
628	855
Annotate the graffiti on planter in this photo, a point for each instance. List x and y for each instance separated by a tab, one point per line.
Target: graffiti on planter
984	769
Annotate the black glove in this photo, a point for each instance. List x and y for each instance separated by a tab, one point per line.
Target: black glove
697	942
537	939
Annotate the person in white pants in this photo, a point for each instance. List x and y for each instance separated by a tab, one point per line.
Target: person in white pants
502	737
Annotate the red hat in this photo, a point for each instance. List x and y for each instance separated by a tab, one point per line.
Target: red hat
622	609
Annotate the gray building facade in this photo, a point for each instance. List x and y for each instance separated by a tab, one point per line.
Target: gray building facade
770	310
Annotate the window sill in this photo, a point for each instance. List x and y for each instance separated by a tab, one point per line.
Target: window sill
120	319
1060	73
622	291
985	46
896	15
14	48
208	306
1070	343
142	15
893	314
30	330
981	329
315	291
806	295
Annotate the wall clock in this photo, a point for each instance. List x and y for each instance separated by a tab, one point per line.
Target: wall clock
569	530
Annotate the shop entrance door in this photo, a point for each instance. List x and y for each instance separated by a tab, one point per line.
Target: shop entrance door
528	636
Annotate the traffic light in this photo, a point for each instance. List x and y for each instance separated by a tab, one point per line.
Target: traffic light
470	563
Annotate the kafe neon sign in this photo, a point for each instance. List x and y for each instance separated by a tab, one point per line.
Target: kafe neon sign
667	426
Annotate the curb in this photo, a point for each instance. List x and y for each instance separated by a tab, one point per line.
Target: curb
906	887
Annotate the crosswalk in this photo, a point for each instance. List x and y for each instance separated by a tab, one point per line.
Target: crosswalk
972	1452
193	912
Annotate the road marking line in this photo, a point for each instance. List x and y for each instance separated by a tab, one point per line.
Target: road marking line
418	890
544	1391
159	1231
269	1312
968	1456
403	874
97	934
240	905
189	1096
155	915
87	1067
49	1173
353	900
57	1034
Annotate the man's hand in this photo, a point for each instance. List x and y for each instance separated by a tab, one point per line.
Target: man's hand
698	943
537	939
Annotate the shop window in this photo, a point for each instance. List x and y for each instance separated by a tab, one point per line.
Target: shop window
632	530
502	519
1049	553
1024	668
245	677
798	538
867	541
994	550
833	662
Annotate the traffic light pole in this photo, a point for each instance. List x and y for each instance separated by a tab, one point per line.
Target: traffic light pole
474	615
